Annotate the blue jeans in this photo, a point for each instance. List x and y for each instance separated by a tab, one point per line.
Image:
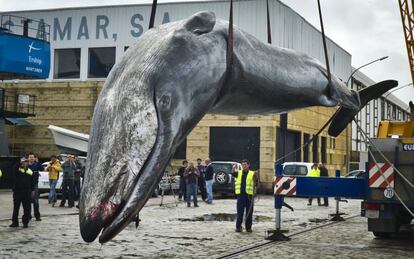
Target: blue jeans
244	203
191	189
52	192
209	187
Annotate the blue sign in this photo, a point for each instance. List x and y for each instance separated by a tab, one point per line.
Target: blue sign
25	56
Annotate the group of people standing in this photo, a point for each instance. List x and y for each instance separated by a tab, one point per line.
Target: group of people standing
193	178
25	179
318	170
201	176
71	182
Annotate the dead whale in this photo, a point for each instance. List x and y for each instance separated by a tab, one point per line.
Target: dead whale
161	89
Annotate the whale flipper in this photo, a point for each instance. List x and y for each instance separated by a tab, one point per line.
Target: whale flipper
346	115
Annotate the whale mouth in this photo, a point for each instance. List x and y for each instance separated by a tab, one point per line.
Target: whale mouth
122	141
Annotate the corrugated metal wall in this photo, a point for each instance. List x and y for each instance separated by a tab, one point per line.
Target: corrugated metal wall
288	28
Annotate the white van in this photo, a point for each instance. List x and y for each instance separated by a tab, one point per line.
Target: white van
296	168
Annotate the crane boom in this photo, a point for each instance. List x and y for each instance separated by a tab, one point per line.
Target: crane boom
407	18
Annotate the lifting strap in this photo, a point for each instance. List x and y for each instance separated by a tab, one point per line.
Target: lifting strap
152	17
229	57
269	31
325	51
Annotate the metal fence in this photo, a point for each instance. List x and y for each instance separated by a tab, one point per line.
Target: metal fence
15	103
26	27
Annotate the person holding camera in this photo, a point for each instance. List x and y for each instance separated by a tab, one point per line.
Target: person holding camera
191	175
53	168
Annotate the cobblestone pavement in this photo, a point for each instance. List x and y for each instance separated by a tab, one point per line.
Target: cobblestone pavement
175	231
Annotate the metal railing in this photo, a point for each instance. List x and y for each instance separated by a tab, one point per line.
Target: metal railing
14	103
26	27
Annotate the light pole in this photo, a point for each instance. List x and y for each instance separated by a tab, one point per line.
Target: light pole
347	162
367	64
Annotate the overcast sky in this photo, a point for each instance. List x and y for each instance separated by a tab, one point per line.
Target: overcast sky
367	29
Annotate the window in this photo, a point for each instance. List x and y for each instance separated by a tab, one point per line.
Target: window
67	63
323	150
306	148
288	145
101	61
181	151
292	169
315	155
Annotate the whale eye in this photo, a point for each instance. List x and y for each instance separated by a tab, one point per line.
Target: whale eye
165	102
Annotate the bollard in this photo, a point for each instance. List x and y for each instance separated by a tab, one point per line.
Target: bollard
277	234
337	215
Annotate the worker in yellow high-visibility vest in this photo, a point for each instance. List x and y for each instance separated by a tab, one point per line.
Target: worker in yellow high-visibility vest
244	189
314	172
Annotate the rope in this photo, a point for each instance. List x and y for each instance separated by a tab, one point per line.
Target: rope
325	51
229	57
152	17
367	141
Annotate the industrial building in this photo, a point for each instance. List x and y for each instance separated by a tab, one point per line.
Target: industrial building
86	42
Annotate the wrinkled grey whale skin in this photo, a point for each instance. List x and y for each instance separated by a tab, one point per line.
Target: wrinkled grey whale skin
162	88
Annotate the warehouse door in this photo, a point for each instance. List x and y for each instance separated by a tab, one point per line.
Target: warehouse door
293	142
235	144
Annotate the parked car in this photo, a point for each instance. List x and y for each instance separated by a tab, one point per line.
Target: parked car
357	174
223	181
43	184
296	168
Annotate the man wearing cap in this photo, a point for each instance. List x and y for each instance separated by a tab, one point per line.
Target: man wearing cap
22	193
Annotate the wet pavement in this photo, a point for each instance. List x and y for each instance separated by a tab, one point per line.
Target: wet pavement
174	231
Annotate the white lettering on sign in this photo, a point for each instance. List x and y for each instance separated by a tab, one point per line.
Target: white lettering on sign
408	147
34	69
35	60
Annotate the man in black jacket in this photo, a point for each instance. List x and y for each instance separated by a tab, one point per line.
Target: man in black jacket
22	192
35	166
324	173
182	194
209	180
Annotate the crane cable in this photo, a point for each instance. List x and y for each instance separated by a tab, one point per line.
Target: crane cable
152	17
330	91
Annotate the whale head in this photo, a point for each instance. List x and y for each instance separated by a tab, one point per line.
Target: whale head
149	103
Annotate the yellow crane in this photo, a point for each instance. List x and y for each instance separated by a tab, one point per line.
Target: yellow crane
407	18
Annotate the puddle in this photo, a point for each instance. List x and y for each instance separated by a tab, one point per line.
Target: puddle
224	217
316	220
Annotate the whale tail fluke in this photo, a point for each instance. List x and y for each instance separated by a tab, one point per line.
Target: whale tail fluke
346	115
